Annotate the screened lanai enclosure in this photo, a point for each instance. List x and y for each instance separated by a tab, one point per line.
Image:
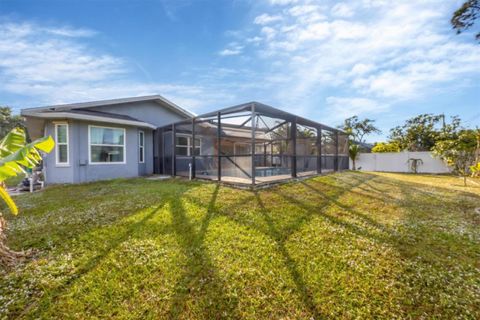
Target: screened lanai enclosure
251	144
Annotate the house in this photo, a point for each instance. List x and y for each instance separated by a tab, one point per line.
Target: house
251	143
102	139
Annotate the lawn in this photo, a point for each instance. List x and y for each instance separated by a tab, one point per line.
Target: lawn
346	245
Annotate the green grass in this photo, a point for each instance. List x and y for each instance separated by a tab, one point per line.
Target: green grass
347	245
14	181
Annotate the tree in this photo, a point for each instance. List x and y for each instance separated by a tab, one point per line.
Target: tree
353	152
464	18
458	151
415	163
381	147
9	121
15	157
358	129
420	133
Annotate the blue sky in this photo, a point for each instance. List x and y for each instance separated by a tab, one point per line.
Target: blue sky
325	60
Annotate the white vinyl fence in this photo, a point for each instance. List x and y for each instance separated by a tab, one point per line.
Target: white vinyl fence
400	162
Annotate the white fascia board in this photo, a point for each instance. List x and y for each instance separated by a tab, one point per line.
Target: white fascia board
65	107
67	115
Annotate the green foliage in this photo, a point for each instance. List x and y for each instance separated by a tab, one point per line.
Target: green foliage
464	18
458	150
353	152
343	246
9	121
475	169
357	129
16	155
381	147
303	132
420	133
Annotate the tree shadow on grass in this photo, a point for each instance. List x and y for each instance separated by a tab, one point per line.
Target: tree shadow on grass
334	200
199	280
281	235
328	201
291	265
438	239
113	243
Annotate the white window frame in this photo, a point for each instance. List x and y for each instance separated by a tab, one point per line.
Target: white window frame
141	146
57	154
189	145
107	145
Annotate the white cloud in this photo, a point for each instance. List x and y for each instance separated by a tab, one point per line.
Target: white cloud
306	13
372	49
283	2
303	10
314	31
266	19
233	49
71	32
32	53
342	10
361	68
269	32
48	65
255	39
343	107
230	52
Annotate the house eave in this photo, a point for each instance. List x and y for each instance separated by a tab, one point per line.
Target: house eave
67	115
156	98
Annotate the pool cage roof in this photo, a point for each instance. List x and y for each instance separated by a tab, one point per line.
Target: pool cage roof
251	144
267	110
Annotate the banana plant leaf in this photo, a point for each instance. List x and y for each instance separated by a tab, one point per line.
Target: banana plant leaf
15	156
8	200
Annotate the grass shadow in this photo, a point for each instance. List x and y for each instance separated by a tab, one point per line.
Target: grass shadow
199	278
88	266
291	265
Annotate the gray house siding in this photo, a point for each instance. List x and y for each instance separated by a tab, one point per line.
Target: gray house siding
148	111
58	173
80	169
146	168
131	114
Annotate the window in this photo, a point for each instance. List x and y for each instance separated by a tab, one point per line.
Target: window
61	143
184	145
106	145
141	146
242	149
